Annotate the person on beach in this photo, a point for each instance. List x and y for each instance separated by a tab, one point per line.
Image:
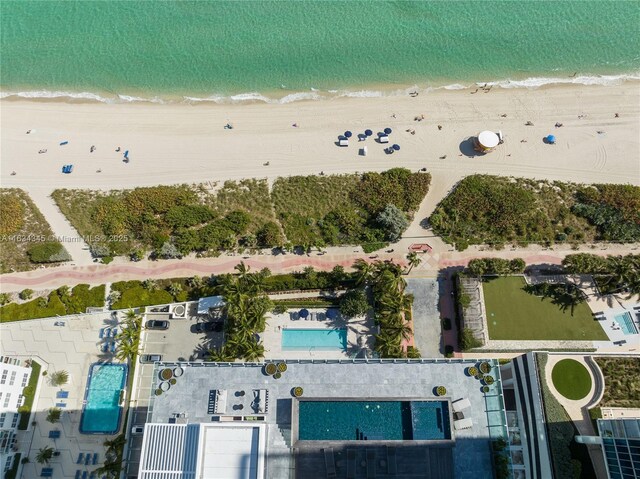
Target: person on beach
559	125
295	125
28	131
616	115
92	149
528	123
439	127
117	149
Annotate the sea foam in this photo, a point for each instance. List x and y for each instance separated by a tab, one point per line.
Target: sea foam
317	94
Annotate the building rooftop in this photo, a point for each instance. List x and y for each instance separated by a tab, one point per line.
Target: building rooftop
241	393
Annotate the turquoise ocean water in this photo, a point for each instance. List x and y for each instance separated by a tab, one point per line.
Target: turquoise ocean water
286	50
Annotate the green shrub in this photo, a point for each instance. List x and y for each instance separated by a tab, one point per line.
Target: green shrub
468	340
353	303
29	393
448	351
26	294
48	252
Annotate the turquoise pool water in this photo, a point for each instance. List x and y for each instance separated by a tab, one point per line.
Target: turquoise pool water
319	339
625	321
101	412
373	420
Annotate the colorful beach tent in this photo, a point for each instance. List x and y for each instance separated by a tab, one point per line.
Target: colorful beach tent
551	139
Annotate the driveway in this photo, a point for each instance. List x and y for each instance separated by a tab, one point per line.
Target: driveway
426	316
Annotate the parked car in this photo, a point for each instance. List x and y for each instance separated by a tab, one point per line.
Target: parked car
137	430
157	324
150	358
208	327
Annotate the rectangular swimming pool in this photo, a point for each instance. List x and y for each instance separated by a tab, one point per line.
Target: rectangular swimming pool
101	411
625	321
373	420
318	339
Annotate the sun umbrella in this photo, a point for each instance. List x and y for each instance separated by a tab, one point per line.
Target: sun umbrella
303	313
348	134
387	131
368	132
551	138
395	147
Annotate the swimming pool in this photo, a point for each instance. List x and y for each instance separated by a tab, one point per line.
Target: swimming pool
625	321
319	339
373	420
101	411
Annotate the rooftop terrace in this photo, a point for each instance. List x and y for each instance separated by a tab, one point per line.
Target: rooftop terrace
206	392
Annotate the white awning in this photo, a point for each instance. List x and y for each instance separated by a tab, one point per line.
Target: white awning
488	139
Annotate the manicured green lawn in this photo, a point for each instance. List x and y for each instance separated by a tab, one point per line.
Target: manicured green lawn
25	409
571	379
513	314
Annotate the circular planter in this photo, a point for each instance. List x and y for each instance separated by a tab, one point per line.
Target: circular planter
166	374
479	376
270	369
297	391
488	380
179	310
485	367
158	392
441	391
172	381
485	389
177	372
282	367
277	375
473	371
165	386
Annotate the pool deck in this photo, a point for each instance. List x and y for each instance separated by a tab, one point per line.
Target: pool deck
359	327
339	379
73	347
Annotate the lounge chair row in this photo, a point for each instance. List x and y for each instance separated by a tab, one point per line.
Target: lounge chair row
87	458
87	475
108	333
109	347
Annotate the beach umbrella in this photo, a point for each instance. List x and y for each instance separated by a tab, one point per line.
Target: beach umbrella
368	132
303	313
387	131
348	134
395	147
551	139
332	314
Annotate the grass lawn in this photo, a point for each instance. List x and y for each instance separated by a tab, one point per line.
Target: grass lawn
29	395
571	379
513	314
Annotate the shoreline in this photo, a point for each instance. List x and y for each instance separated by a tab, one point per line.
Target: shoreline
184	143
284	96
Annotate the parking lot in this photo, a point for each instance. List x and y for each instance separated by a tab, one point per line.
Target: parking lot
180	342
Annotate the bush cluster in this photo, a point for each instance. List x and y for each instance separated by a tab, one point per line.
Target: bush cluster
11	214
48	252
481	266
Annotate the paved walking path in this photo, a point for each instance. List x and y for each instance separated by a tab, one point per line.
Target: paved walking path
62	229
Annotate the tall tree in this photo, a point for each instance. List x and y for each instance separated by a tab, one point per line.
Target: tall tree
414	260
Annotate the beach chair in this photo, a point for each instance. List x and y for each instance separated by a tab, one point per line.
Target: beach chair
330	463
351	464
114	332
46	472
371	463
62	143
105	348
62	395
460	404
84	474
80	458
462	424
383	139
54	434
95	458
61	405
112	348
78	474
392	466
92	475
101	333
87	459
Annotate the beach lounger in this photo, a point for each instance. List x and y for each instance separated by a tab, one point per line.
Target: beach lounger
112	348
62	143
101	333
383	139
95	458
114	332
78	473
92	475
351	464
80	458
371	463
462	424
54	434
460	404
87	459
61	404
105	348
84	474
330	463
46	472
62	394
392	466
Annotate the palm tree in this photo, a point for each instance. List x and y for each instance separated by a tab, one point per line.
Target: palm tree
220	355
400	329
59	378
110	469
414	260
44	455
388	346
364	271
127	350
130	316
53	416
242	269
253	351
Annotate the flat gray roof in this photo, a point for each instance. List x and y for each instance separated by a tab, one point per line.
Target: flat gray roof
365	379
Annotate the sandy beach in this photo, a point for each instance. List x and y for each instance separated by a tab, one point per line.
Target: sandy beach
177	143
